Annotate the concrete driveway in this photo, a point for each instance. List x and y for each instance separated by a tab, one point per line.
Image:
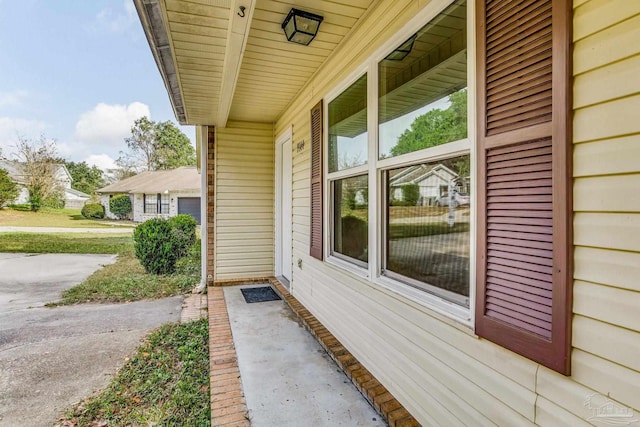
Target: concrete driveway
51	358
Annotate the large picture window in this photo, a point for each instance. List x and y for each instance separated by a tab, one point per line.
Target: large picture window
422	104
425	160
420	173
427	222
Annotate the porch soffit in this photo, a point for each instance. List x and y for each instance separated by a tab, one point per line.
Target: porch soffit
271	70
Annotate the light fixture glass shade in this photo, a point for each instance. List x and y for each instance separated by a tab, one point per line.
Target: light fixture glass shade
300	26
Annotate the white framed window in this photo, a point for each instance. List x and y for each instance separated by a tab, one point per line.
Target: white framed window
414	174
156	203
347	174
151	203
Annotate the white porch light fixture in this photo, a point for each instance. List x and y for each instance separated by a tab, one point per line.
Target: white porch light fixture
301	27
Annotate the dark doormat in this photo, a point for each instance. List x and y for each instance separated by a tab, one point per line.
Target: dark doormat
262	294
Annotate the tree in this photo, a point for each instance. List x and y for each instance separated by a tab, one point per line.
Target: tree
8	189
174	148
436	126
40	167
142	142
85	178
156	145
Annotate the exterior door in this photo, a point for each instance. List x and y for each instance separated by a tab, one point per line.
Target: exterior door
284	185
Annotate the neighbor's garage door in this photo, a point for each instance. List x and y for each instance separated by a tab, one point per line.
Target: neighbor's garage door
189	206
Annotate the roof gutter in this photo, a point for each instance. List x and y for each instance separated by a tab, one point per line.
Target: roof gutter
151	17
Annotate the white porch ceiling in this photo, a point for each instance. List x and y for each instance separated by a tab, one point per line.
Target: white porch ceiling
201	44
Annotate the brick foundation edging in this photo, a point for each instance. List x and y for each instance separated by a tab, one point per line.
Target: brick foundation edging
228	405
373	391
241	281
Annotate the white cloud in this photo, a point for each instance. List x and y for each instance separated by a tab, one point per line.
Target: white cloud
109	124
13	98
102	161
115	21
12	128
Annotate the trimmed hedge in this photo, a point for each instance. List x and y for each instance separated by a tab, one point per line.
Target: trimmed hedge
93	211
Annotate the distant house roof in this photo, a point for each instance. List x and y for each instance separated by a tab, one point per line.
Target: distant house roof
182	179
419	173
16	171
77	193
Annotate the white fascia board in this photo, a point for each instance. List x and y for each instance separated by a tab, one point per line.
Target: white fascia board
237	35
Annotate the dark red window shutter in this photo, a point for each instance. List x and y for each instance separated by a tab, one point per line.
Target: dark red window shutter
316	181
524	269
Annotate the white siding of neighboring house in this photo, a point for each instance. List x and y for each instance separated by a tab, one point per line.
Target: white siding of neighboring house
438	368
244	201
23	196
63	177
137	204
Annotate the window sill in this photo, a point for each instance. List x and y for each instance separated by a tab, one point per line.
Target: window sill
449	310
451	313
348	266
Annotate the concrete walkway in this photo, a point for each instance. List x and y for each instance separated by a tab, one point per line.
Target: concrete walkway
114	230
288	379
267	370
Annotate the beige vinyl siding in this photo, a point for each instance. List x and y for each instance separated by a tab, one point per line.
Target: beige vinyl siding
440	371
606	327
244	206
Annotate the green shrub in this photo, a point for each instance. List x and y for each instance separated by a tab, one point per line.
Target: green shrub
54	202
190	264
35	199
8	189
355	235
159	243
93	211
120	205
186	224
410	194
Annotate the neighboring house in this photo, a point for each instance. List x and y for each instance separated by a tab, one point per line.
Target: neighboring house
158	194
539	311
72	198
432	181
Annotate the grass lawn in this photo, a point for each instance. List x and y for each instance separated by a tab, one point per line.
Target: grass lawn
72	243
402	231
166	383
47	217
126	280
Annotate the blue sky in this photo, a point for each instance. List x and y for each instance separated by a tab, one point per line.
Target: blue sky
77	71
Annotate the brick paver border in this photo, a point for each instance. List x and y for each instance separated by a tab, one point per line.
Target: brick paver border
228	406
